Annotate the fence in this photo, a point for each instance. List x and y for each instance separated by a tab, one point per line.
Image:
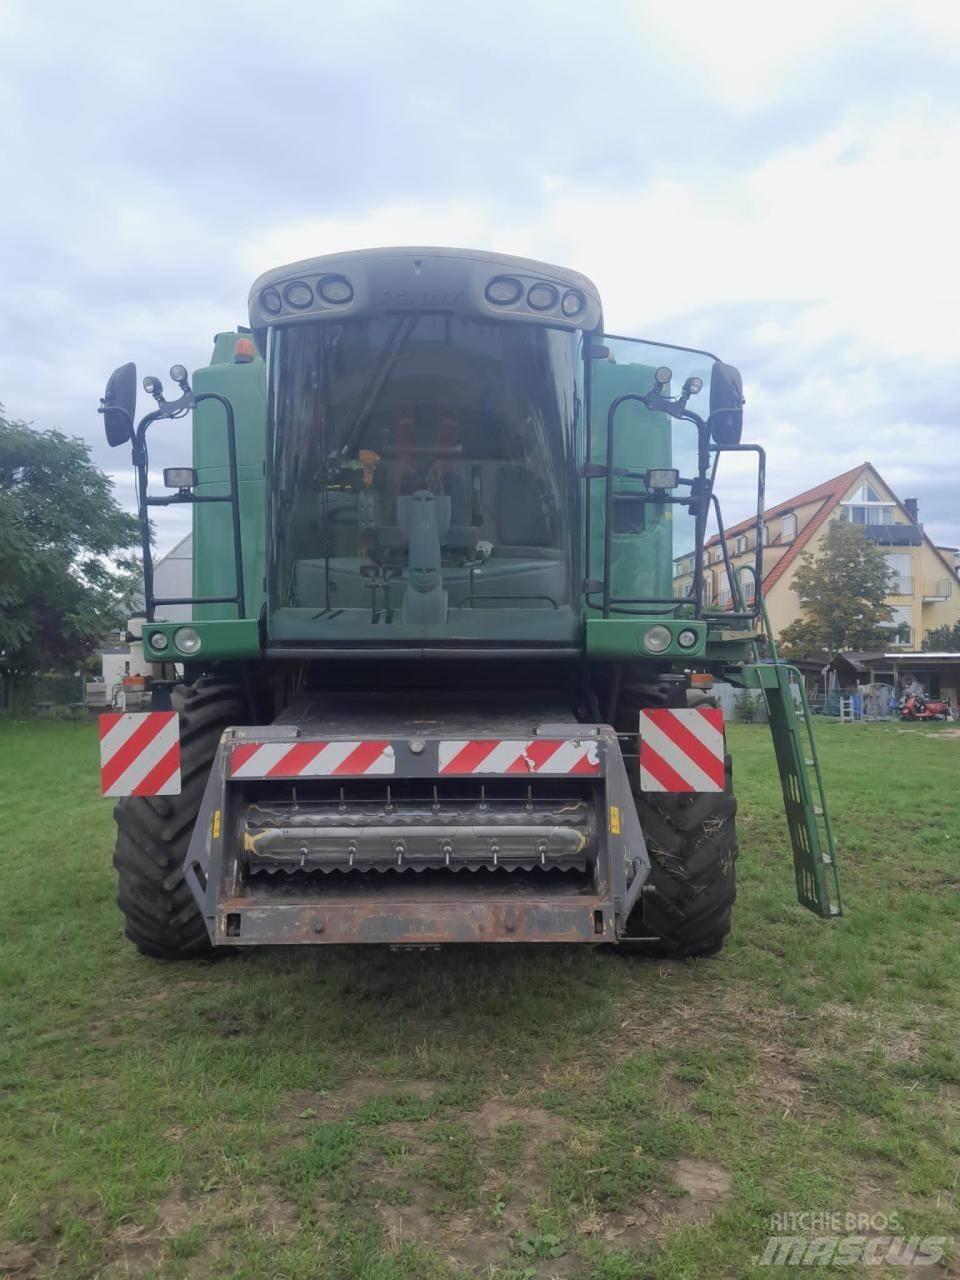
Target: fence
40	694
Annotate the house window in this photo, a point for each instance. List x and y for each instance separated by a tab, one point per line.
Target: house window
789	527
880	514
902	624
766	535
866	493
741	544
718	555
901	564
723	595
706	558
867	506
749	588
708	588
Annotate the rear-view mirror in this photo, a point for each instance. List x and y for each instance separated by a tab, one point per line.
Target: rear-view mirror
726	404
119	404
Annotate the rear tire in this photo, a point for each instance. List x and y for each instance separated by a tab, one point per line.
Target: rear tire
161	917
692	841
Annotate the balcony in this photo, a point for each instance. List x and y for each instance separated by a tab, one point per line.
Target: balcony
901	585
934	589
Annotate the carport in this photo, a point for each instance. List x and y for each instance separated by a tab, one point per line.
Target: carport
938	673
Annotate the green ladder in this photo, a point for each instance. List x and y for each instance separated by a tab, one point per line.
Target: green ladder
804	798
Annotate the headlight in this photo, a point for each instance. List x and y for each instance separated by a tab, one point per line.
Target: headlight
299	294
503	290
687	639
657	639
336	289
270	301
158	640
542	297
187	640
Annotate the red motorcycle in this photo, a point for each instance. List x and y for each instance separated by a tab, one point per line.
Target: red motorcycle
914	706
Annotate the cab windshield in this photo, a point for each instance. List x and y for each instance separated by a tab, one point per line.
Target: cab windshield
422	481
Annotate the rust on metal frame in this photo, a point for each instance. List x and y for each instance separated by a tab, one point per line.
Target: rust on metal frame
587	919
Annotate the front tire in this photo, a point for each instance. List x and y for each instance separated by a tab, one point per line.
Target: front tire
688	901
161	917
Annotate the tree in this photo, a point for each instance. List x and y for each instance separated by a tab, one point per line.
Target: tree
943	639
843	596
64	578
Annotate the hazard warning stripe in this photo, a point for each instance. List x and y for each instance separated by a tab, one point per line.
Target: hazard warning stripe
140	753
681	749
519	756
311	759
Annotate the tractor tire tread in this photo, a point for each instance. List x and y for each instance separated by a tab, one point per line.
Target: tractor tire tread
692	842
161	917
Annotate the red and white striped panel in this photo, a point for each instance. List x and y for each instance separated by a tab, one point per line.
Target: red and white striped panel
311	759
534	755
681	749
140	753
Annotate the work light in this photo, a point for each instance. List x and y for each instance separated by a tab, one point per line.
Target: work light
179	477
270	301
299	294
335	289
662	478
542	297
503	290
573	303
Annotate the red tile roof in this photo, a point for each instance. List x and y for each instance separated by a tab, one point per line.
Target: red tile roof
826	490
831	491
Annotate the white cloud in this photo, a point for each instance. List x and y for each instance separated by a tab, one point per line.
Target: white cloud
752	52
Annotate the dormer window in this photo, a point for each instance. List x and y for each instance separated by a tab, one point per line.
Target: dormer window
789	527
867	506
766	535
741	544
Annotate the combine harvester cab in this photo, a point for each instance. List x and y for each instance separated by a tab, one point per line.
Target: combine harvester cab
447	672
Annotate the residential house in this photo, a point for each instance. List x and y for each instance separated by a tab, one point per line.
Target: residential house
926	590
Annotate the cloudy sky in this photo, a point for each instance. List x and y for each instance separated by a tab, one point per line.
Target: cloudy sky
776	183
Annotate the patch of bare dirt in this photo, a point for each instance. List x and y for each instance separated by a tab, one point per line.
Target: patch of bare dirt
705	1184
19	1261
706	1189
138	1250
497	1113
775	1084
331	1104
463	1242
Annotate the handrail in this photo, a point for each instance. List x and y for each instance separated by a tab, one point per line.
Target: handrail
140	462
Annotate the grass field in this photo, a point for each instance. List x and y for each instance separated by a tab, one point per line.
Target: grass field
497	1113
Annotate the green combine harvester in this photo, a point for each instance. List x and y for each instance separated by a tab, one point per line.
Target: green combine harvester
447	674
